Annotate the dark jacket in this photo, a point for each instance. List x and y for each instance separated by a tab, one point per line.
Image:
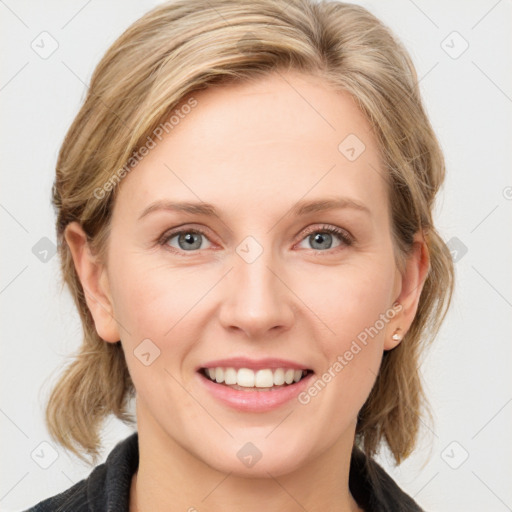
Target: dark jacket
107	488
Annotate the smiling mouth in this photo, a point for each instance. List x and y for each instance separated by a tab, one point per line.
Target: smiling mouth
245	379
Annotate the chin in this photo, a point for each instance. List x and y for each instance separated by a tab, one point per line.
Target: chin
256	458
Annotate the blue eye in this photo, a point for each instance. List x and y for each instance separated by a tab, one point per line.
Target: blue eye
320	239
187	240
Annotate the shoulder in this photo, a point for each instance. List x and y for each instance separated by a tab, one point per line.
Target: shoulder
374	490
106	488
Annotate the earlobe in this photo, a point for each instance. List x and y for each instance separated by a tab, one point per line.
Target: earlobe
94	280
412	280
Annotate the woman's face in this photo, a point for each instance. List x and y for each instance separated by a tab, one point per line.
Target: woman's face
268	281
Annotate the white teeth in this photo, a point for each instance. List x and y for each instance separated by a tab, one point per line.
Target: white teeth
247	378
279	377
264	379
219	374
230	376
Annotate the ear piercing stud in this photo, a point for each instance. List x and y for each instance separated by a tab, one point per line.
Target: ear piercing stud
397	336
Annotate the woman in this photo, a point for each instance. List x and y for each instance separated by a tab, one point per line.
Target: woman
245	222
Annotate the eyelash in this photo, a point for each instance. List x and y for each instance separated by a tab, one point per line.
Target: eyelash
346	239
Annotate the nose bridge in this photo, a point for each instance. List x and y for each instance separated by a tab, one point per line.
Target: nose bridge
255	298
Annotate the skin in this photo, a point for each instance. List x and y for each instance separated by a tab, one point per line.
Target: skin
253	151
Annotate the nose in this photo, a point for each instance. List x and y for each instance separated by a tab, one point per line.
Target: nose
256	299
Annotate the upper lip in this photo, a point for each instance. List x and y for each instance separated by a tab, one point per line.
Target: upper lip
253	364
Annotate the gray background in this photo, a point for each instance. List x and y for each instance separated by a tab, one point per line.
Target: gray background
463	461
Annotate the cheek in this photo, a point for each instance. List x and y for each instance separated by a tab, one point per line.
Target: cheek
354	307
159	303
355	303
150	299
353	299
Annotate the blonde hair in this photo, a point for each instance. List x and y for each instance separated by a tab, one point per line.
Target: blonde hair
185	46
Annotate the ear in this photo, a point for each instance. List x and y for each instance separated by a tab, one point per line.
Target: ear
94	279
410	284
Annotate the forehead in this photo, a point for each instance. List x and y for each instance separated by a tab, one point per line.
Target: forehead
278	139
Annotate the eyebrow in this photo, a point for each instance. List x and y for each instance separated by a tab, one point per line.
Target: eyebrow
301	208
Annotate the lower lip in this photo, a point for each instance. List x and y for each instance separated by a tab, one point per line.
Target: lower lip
255	401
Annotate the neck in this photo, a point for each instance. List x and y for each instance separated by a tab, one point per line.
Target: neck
171	478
